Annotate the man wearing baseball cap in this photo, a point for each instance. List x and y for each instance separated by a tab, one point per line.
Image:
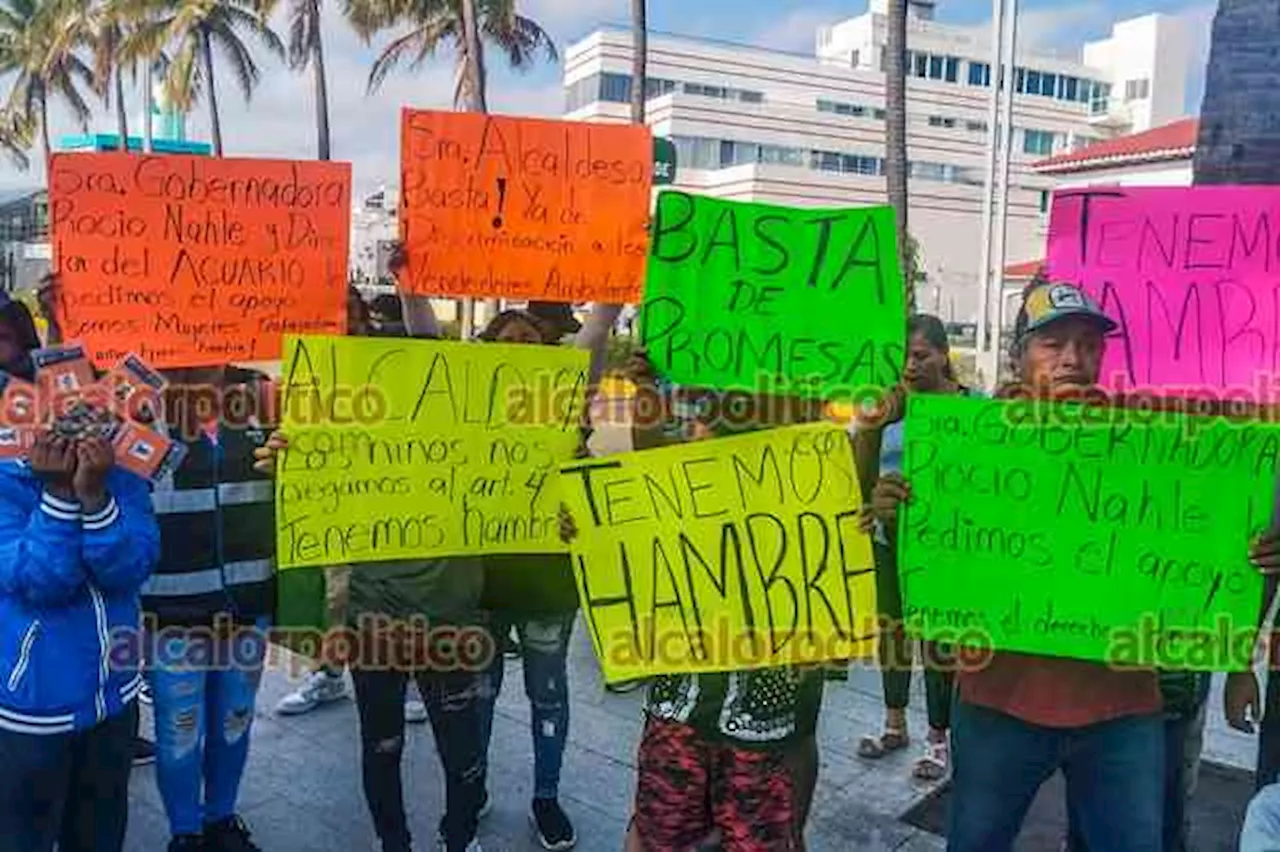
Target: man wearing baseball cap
1023	717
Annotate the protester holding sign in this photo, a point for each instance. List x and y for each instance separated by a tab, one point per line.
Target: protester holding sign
879	446
542	584
327	682
77	540
1022	717
726	757
209	603
535	596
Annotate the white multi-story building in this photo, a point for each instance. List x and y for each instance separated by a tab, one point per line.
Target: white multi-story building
762	125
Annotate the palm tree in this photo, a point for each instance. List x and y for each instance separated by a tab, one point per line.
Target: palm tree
306	49
639	59
42	63
15	138
473	81
436	23
194	28
895	132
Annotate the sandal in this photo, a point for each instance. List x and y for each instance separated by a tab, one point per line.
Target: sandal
874	748
935	763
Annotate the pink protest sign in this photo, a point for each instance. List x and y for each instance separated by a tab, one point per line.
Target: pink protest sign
1192	277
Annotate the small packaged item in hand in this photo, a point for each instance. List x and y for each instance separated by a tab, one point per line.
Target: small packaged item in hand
146	452
62	369
137	391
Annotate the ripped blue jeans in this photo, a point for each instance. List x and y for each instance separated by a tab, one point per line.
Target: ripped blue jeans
203	688
544	647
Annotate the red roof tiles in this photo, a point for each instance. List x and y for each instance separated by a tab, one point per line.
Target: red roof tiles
1174	141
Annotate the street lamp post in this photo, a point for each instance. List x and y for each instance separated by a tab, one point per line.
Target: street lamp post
995	201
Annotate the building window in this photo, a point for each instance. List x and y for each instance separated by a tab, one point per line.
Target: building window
921	63
854	164
750	97
1020	80
941	121
953	69
655	87
1049	85
855	59
1137	90
976	126
1031	82
841	108
827	161
979	74
615	88
1037	142
1070	89
937	66
1044	201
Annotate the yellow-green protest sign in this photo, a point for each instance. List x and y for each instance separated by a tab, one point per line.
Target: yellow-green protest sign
1080	531
725	554
412	448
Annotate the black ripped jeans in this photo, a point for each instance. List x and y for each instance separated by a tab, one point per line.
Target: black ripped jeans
454	701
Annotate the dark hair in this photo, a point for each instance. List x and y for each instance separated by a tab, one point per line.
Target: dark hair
387	307
932	329
504	319
17	317
935	334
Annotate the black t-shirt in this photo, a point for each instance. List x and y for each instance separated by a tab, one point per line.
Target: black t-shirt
529	584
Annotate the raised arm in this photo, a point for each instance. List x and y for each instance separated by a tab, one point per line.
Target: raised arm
594	336
419	317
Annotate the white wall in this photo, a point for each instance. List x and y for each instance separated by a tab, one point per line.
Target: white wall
1175	173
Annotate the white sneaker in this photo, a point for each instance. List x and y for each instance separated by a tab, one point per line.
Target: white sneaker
320	688
415	712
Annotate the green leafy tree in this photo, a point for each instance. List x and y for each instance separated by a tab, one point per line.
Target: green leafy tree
194	28
42	65
427	26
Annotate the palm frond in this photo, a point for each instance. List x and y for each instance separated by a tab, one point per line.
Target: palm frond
237	54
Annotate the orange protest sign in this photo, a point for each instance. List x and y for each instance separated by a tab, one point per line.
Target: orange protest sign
494	206
192	262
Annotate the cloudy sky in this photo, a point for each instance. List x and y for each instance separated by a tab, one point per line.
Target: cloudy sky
279	122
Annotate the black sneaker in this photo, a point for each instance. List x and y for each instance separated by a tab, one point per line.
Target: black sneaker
552	825
229	835
187	843
144	751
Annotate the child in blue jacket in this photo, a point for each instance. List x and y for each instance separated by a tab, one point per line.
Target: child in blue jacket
77	540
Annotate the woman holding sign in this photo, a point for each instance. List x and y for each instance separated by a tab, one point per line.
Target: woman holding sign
879	448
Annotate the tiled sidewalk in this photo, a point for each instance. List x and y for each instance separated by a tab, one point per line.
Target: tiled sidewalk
302	790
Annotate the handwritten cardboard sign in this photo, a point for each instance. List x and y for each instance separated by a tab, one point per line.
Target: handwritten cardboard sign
1096	533
725	554
774	299
190	261
495	206
1190	276
412	448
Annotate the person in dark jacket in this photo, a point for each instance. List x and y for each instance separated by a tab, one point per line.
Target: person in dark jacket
209	603
77	540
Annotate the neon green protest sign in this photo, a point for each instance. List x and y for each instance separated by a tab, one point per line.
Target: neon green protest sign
1095	533
754	297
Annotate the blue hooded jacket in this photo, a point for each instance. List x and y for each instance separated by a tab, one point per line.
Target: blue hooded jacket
68	597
